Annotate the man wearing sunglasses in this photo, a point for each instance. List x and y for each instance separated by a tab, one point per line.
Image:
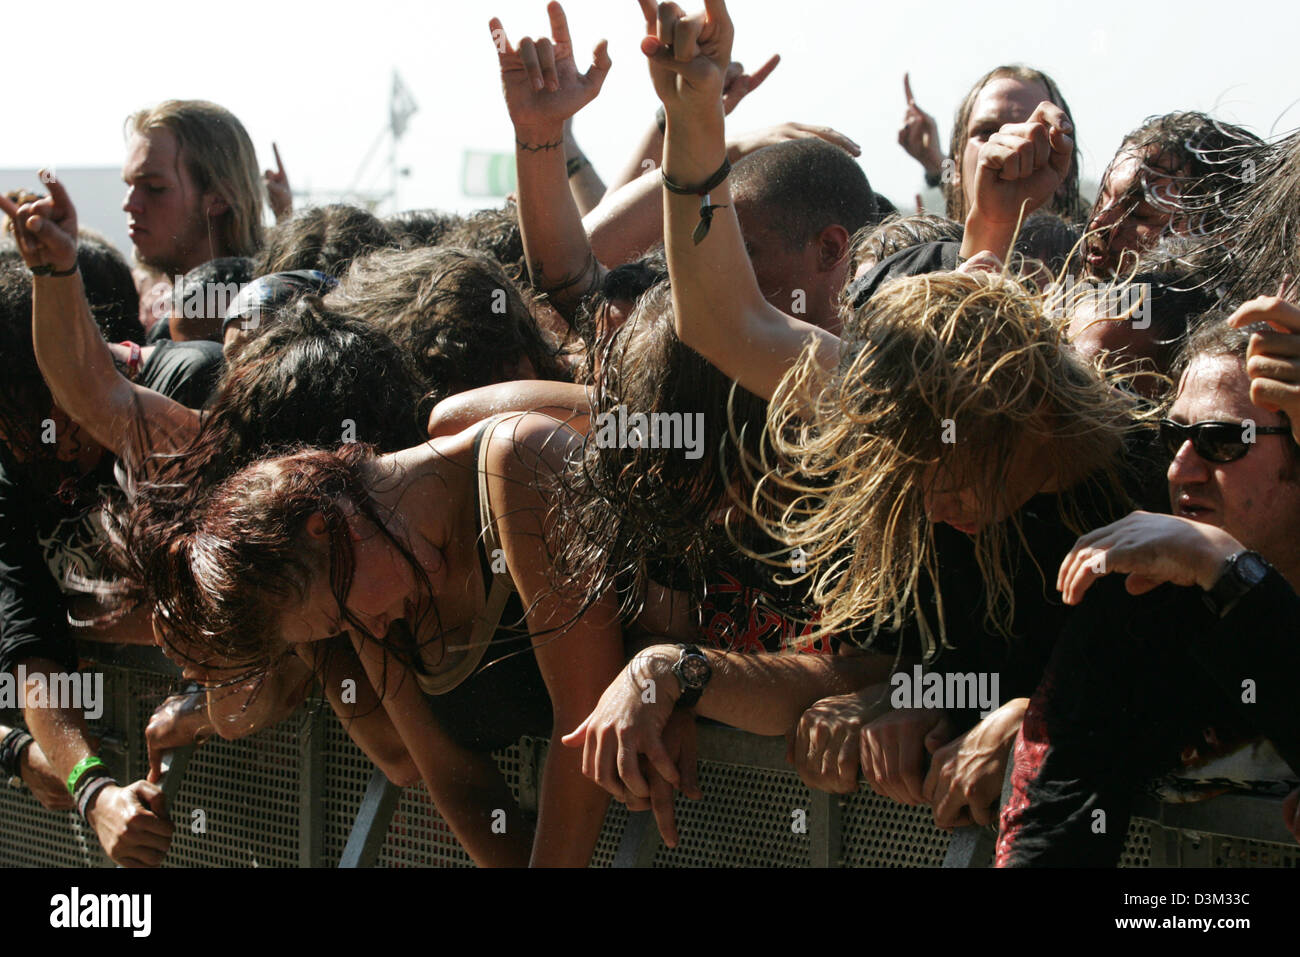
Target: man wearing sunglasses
1190	645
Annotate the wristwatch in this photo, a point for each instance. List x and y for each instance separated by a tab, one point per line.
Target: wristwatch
1241	572
693	672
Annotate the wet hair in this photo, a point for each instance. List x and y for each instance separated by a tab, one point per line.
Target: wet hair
629	514
233	564
110	288
316	377
220	158
421	227
325	238
802	186
1066	202
495	233
1199	155
25	398
1046	238
624	283
1249	231
854	455
454	312
895	233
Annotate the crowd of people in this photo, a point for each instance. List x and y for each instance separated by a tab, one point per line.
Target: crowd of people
732	438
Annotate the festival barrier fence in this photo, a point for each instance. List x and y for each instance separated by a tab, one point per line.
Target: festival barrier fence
302	794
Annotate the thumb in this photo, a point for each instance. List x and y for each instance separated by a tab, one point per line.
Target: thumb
1140	584
937	737
151	796
155	766
662	55
578	736
600	64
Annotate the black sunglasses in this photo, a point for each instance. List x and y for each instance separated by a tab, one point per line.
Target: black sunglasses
1213	441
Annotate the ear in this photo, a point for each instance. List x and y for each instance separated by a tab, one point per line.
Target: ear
832	247
316	526
215	205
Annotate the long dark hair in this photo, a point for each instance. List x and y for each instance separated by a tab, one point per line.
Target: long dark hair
632	514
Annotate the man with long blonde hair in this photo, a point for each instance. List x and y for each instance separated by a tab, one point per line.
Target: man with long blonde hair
194	192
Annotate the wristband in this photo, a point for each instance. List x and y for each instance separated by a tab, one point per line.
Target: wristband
933	179
133	362
706	209
11	751
88	794
84	765
573	165
51	271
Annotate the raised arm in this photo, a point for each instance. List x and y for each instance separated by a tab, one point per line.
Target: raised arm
719	309
74	358
543	89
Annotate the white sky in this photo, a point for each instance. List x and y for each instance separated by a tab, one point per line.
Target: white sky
315	76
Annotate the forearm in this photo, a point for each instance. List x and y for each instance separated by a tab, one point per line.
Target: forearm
628	221
565	400
74	358
572	809
350	694
584	182
985	235
648	155
767	693
559	256
718	308
62	733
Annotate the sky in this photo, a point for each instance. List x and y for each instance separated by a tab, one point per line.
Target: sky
315	77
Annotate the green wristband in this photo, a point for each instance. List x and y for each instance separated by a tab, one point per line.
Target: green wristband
84	765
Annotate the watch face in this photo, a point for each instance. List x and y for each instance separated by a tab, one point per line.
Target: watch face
695	670
1250	568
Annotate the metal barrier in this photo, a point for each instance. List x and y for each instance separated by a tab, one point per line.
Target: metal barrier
302	794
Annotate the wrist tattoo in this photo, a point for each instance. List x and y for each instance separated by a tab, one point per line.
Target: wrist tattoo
538	147
591	268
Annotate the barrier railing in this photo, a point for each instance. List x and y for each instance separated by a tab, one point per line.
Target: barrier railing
302	794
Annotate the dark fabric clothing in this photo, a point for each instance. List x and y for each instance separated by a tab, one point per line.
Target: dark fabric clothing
184	371
1019	657
49	519
913	261
506	696
1133	682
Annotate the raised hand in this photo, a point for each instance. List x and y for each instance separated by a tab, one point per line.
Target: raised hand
277	188
689	56
1152	550
45	229
739	84
1273	357
1023	164
919	135
540	79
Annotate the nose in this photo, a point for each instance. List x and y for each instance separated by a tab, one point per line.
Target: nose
131	202
1187	468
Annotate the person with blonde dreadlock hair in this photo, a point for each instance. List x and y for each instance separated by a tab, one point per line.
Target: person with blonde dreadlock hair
928	474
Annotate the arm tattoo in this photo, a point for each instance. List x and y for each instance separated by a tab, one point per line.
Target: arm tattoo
538	147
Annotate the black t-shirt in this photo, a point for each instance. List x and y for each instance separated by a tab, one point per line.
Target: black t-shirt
50	529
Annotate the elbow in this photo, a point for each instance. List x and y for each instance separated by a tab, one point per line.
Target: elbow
402	771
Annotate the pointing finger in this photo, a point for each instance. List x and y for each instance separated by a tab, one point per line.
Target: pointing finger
907	89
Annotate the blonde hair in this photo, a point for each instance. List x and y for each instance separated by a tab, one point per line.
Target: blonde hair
220	158
951	372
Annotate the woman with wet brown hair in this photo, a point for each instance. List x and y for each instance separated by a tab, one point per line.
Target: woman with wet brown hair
433	563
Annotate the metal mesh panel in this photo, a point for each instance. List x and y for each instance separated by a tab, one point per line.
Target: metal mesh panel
880	832
1137	846
255	795
247	791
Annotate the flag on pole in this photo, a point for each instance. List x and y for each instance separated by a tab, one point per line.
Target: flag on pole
401	107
